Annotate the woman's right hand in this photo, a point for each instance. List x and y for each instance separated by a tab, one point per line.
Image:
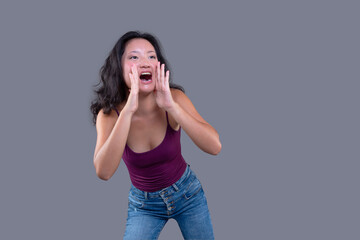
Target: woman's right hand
133	98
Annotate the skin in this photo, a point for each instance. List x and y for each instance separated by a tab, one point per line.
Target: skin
142	121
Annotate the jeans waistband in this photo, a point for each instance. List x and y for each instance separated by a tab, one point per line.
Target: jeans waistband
176	186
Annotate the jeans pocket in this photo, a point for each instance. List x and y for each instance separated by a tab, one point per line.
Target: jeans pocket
192	189
135	202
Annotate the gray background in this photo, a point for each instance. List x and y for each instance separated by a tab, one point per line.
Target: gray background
279	80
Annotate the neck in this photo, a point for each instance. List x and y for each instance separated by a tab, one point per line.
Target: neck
147	104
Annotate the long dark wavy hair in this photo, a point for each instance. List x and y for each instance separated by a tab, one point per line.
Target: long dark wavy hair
111	89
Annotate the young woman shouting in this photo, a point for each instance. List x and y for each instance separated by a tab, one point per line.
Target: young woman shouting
139	114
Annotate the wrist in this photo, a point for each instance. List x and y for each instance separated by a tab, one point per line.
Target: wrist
126	112
172	109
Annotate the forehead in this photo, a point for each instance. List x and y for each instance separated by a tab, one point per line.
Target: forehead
139	44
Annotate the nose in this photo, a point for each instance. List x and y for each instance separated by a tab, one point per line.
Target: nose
144	63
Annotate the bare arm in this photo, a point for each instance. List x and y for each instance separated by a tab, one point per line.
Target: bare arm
110	143
200	132
112	133
183	111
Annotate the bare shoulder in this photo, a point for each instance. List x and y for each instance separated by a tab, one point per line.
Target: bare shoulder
182	100
105	121
104	125
103	118
178	95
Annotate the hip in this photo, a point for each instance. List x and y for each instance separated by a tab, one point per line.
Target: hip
186	193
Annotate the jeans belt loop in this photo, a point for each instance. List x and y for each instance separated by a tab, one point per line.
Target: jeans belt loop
146	195
176	187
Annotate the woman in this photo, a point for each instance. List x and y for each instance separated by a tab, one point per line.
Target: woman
138	114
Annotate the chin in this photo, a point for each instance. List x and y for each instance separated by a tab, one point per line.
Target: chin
146	89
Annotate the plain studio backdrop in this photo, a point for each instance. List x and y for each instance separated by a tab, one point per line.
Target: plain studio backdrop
279	80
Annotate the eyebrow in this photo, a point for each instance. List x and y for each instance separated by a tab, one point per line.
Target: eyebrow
139	52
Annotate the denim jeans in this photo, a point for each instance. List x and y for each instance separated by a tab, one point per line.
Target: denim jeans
183	201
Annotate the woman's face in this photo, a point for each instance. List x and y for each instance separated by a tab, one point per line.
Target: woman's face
141	53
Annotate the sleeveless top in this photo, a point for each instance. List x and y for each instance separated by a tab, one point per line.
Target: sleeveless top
159	167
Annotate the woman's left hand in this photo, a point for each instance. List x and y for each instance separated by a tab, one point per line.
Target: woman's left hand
162	88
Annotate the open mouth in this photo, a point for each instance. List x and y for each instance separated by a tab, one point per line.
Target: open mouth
146	76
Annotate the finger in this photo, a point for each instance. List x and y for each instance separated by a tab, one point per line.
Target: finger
167	78
134	71
162	77
135	77
158	71
132	68
131	80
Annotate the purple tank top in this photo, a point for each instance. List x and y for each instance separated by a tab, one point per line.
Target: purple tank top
158	168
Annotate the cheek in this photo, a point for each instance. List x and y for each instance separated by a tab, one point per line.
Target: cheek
126	76
154	66
126	70
127	67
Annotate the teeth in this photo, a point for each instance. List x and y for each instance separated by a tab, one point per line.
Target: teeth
146	73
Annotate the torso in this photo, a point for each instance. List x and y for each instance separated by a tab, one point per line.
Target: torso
148	132
152	152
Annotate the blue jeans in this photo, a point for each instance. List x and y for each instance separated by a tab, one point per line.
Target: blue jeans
183	201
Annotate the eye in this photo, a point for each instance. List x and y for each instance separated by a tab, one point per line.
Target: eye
133	57
152	57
